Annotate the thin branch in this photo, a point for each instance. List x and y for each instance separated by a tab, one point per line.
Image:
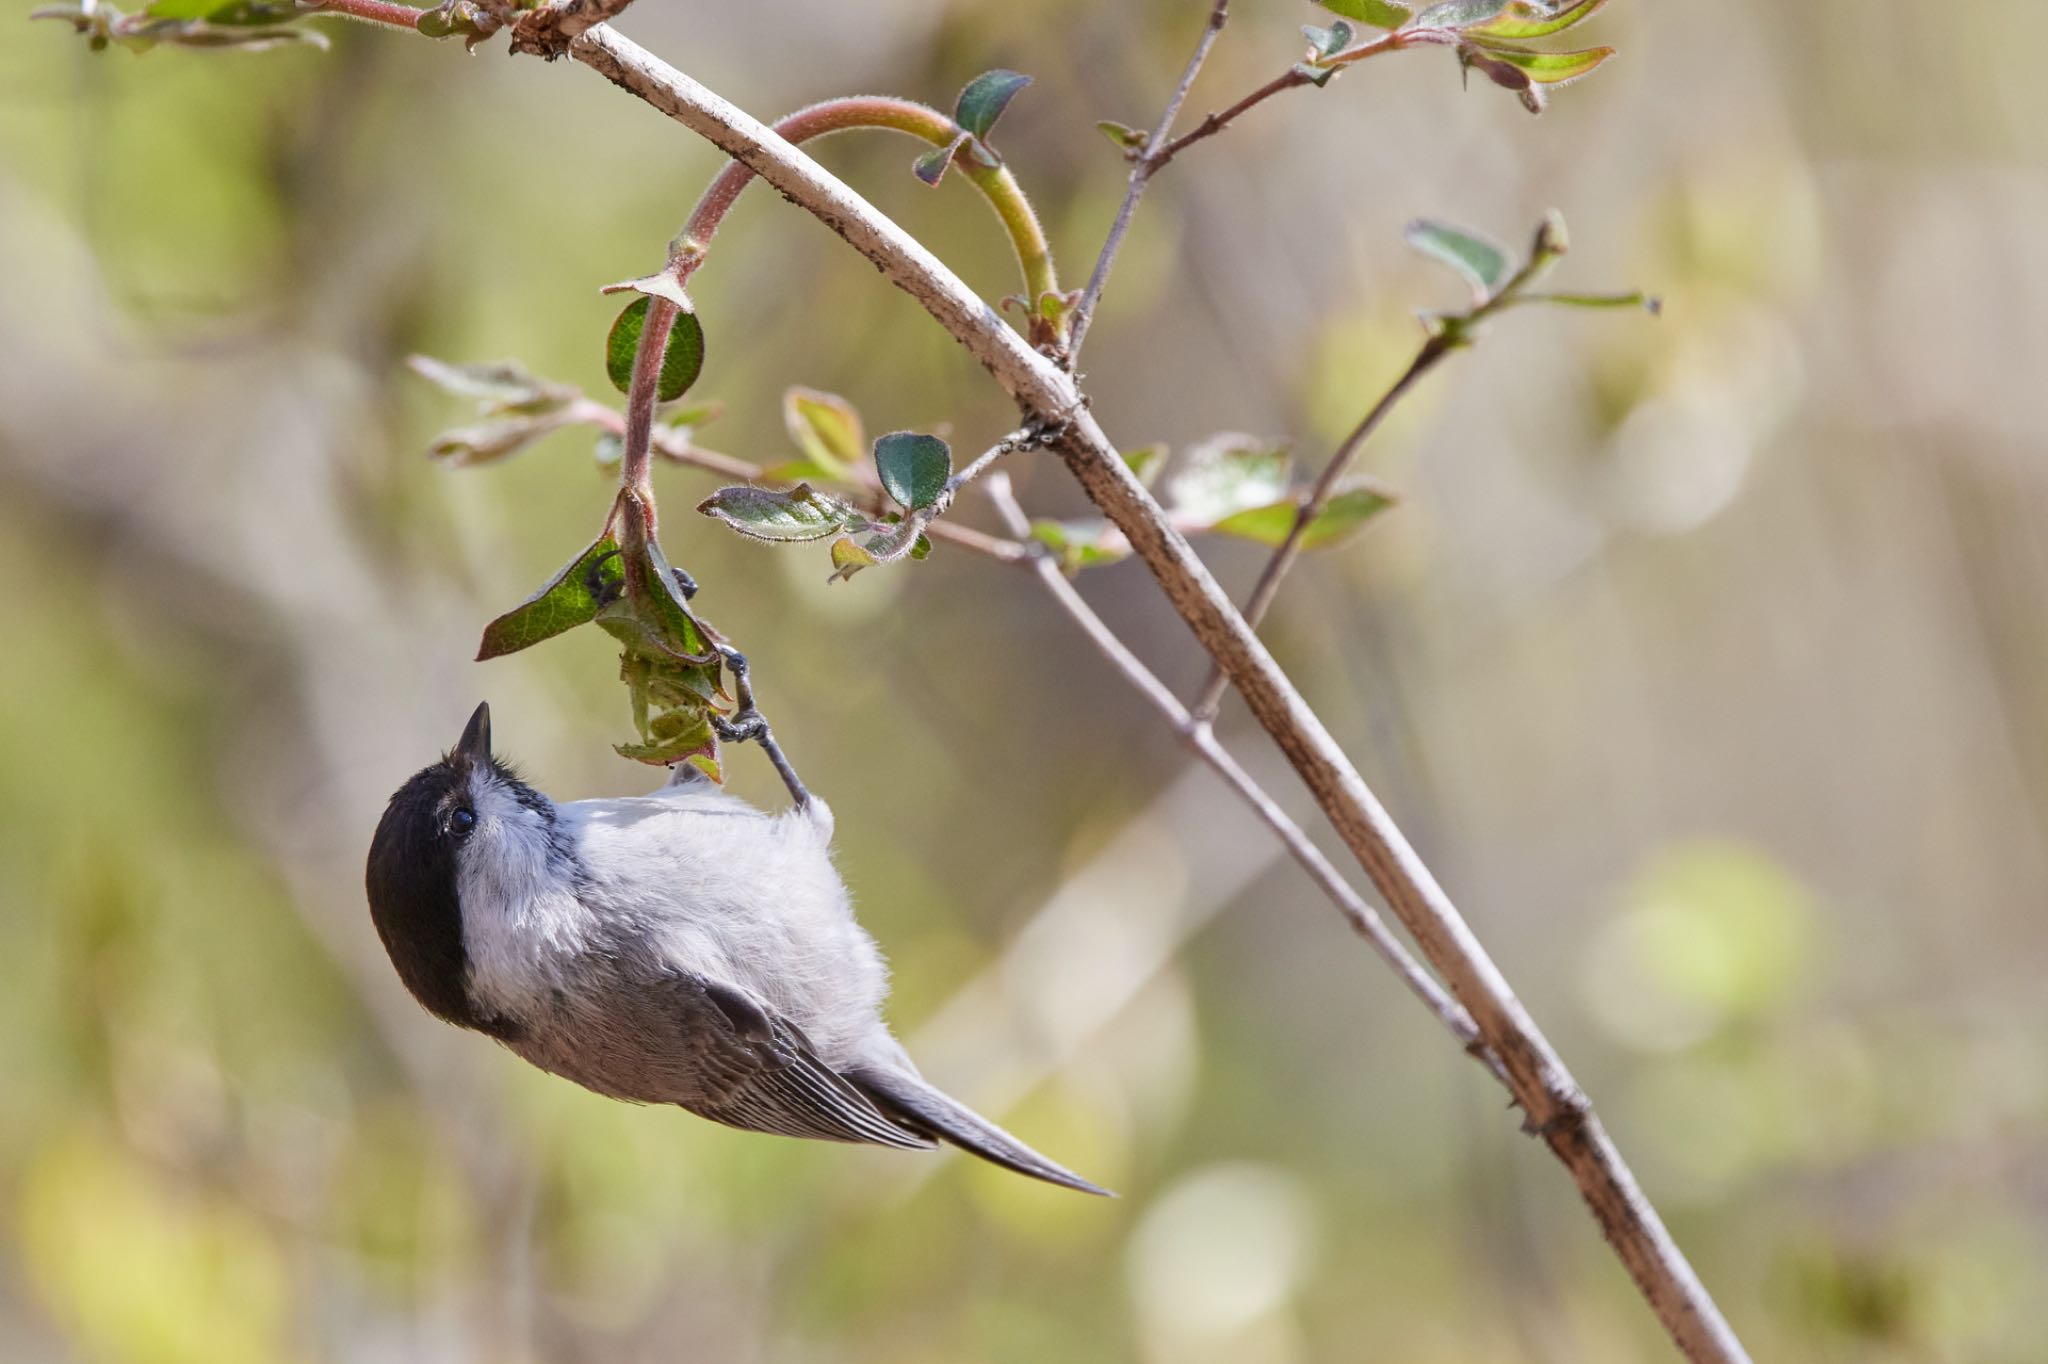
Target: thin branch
1268	585
1200	740
1553	1103
374	12
1292	78
1142	167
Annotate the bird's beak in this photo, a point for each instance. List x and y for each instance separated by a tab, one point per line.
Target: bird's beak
475	744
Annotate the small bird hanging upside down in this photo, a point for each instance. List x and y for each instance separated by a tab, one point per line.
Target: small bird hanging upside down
678	948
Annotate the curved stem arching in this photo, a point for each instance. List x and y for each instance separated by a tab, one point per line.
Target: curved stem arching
997	185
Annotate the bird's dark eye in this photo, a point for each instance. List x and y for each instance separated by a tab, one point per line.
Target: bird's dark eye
461	820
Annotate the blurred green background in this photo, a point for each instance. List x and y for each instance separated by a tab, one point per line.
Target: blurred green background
1705	659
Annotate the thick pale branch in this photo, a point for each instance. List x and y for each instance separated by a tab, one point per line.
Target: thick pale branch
1552	1100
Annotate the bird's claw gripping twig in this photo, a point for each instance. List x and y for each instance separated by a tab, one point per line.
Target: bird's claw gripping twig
748	725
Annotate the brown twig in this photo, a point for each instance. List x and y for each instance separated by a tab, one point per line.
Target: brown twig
1142	167
1554	1105
548	30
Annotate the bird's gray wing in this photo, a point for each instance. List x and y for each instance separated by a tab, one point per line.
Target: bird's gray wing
760	1073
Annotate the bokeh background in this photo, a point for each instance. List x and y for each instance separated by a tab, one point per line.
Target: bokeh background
1705	659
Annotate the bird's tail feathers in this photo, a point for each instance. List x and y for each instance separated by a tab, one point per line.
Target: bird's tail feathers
912	1102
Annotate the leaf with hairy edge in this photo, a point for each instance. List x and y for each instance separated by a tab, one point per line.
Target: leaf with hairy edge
1228	473
680	363
1344	513
1378	13
848	559
800	514
1328	42
825	427
985	97
913	467
486	442
677	736
1459	13
1484	264
1550	68
503	388
931	167
1145	462
1524	19
1127	138
571	598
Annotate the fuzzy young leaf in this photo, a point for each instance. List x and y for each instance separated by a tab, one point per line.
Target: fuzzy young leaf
1484	264
1344	513
1225	474
985	97
1549	68
782	517
913	467
1525	19
609	450
680	363
677	736
486	442
848	559
693	416
1327	42
931	166
502	388
1459	13
1378	13
825	427
571	598
1127	138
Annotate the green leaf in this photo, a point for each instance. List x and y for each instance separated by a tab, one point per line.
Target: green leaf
1524	19
913	467
1081	544
1344	513
931	167
680	363
502	389
571	598
1480	261
1459	13
985	97
489	441
1378	13
1328	42
1550	68
677	736
826	428
801	513
848	559
1145	462
1127	138
921	548
1227	473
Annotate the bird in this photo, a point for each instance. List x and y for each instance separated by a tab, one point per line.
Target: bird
679	948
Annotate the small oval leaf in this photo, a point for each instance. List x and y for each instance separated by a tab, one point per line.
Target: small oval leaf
825	427
1525	19
1378	13
783	517
913	467
680	363
985	97
1480	261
